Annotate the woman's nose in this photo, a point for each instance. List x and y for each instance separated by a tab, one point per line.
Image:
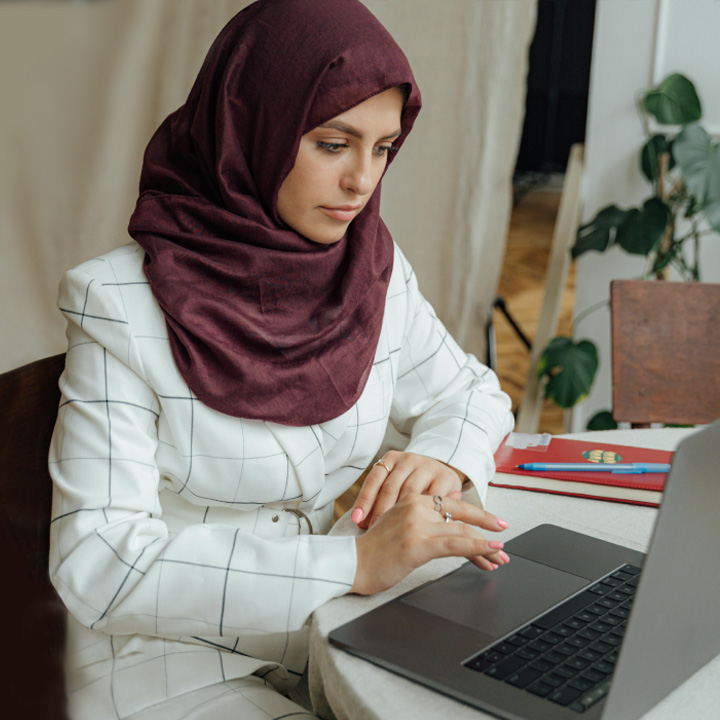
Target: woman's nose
358	176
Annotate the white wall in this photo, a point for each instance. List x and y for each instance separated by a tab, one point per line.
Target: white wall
636	44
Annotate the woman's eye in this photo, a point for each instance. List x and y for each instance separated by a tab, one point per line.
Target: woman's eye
332	147
385	149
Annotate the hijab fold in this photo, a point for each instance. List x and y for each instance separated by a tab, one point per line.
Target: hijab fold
262	322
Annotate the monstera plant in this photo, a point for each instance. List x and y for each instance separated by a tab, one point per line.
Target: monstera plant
682	166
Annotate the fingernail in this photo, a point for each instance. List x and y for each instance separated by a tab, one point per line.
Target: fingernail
505	557
503	523
455	493
496	545
494	566
357	515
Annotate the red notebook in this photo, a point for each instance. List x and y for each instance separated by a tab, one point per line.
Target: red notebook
518	448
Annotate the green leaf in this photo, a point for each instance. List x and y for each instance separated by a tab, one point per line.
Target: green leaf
599	233
570	369
602	420
642	229
655	146
699	161
674	101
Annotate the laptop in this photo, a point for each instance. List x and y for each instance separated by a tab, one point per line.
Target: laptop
573	626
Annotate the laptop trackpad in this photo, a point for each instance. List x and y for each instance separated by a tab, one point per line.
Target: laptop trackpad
496	602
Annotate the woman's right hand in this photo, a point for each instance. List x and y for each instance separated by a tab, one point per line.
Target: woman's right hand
413	532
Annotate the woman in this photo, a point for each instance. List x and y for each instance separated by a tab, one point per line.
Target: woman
232	370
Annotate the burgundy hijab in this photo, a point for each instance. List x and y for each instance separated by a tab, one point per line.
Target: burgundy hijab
263	323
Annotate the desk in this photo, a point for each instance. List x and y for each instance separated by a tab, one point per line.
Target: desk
349	688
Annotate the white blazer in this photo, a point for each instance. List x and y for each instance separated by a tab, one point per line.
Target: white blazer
173	541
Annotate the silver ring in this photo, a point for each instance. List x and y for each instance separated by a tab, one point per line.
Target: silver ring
437	499
447	516
387	469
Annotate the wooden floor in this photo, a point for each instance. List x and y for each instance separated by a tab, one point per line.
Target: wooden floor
521	286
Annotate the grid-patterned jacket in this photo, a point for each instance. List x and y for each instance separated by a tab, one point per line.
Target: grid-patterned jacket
171	541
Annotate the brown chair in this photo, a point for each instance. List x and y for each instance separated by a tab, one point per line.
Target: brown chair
34	616
665	352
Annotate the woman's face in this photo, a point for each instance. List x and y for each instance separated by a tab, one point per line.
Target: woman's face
338	166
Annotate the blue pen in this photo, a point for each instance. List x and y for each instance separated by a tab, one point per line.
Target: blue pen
626	468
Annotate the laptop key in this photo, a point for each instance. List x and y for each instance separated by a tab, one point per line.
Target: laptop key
554	680
555	657
593	675
589	634
580	683
577	662
600	626
540	688
523	677
542	665
604	667
478	663
591	697
565	649
566	610
540	645
564	696
517	640
531	632
505	667
590	655
527	653
504	648
565	671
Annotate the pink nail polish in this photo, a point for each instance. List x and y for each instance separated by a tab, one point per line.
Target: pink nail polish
494	566
496	545
505	557
357	515
503	523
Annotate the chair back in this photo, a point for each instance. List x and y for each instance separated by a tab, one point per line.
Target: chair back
665	352
35	615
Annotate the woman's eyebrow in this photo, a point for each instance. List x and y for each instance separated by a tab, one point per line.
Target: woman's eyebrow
342	127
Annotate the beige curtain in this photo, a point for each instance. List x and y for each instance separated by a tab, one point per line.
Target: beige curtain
84	85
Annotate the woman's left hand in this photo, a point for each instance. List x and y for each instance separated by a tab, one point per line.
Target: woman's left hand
397	475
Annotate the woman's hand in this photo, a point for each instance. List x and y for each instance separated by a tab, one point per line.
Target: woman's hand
413	531
398	475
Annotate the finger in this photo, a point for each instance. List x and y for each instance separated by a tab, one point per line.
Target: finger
388	494
417	482
473	515
445	484
445	531
368	492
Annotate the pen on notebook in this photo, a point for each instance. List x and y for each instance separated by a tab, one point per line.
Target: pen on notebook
629	468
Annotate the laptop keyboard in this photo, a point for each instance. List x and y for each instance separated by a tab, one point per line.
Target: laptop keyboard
567	655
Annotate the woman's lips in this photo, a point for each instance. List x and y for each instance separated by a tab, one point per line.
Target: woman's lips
344	213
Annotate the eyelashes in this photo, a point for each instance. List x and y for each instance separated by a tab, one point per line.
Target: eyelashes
334	148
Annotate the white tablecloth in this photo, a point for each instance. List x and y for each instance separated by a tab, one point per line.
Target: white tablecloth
346	687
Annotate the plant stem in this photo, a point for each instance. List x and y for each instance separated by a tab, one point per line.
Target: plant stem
585	313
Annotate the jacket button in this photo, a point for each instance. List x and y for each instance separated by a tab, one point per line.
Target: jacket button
275	518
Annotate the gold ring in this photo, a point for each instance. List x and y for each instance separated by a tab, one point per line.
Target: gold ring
387	469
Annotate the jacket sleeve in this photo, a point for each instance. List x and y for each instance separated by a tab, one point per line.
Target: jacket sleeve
113	559
449	404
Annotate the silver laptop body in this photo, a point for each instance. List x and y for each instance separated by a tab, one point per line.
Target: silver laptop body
429	634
